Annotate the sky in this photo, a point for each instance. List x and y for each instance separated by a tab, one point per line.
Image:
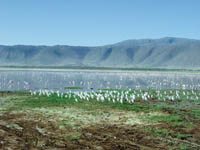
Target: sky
96	22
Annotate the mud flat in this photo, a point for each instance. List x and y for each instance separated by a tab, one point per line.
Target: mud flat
27	123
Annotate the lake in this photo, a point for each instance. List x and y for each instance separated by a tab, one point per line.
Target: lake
58	80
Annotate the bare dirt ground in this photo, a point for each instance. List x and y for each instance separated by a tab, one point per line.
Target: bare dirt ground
70	128
25	131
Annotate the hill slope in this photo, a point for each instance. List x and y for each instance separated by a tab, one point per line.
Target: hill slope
147	53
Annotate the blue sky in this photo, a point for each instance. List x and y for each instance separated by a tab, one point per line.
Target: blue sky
96	22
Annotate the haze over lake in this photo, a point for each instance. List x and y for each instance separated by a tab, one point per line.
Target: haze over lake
54	80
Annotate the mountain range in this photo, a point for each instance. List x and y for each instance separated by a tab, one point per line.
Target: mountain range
168	52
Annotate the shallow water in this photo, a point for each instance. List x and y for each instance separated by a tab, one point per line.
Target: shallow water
32	80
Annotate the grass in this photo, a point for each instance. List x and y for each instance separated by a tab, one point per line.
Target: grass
179	124
184	147
54	101
162	132
166	118
44	101
138	106
74	88
196	113
176	116
181	136
157	132
175	107
110	89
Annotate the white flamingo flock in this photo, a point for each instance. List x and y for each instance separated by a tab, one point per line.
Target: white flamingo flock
166	86
122	96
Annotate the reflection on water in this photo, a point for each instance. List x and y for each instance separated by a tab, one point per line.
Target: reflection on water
31	80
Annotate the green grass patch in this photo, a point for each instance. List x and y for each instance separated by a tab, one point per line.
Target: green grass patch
166	118
196	113
181	136
157	132
140	105
111	89
44	101
179	124
54	101
184	147
74	88
149	130
162	132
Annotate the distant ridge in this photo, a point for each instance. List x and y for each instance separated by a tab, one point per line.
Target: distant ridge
168	52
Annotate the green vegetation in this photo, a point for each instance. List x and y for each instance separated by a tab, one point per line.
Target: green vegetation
169	120
110	89
139	105
181	136
196	113
184	147
54	101
162	132
180	124
74	88
166	118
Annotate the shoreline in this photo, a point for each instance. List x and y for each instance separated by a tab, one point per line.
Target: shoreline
98	70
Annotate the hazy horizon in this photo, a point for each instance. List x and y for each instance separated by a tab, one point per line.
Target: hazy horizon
98	45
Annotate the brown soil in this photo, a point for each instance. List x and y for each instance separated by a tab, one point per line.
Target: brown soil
26	134
73	129
19	132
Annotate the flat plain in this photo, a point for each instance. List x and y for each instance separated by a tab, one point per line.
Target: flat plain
45	120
